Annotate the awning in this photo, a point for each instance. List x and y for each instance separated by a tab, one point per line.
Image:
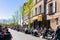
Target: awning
38	17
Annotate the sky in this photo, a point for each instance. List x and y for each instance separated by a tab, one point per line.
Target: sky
9	7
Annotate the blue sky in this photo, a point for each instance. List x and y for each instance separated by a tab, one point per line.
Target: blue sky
9	7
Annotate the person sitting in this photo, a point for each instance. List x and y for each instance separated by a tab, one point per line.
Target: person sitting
35	32
51	33
7	35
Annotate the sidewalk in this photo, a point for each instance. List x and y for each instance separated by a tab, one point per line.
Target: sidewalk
22	36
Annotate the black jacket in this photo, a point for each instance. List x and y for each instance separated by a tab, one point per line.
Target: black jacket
1	36
7	36
58	33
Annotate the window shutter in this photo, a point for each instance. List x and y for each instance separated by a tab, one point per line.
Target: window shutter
54	7
47	9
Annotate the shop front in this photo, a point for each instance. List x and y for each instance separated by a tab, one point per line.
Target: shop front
37	21
54	20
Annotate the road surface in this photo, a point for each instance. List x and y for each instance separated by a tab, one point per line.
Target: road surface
22	36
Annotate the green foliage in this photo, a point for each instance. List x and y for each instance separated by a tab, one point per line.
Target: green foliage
28	6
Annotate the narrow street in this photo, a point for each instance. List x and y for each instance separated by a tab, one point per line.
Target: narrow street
22	36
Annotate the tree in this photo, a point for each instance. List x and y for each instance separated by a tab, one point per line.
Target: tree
20	12
27	10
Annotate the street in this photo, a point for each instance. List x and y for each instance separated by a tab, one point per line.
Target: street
30	19
22	36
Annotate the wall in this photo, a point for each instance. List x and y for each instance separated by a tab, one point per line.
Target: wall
53	24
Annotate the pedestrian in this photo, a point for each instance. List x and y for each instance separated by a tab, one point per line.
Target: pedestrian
6	29
40	31
45	32
57	35
6	34
26	30
50	34
35	32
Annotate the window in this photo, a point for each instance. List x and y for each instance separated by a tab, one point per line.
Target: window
35	11
40	9
51	8
35	1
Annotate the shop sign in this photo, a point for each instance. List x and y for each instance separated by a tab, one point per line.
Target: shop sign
40	18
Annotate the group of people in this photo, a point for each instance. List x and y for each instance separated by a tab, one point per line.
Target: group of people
5	34
47	33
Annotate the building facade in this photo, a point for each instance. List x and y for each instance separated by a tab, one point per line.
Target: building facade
52	13
38	10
